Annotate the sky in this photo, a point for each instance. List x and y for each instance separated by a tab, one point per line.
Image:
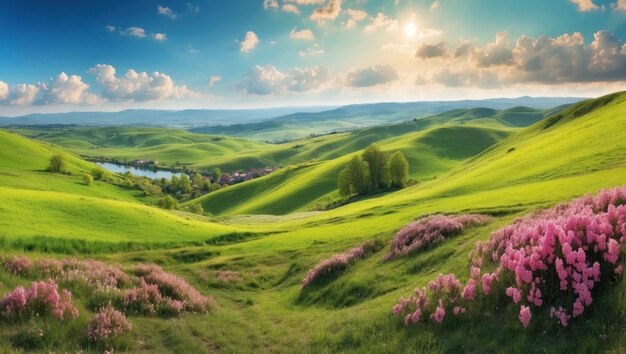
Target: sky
89	55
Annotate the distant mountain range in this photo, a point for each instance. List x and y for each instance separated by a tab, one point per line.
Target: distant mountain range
357	114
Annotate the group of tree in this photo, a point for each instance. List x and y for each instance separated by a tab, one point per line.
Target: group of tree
373	171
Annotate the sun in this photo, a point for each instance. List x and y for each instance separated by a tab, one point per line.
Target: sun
410	29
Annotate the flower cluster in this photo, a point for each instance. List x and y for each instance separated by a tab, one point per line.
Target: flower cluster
551	259
431	230
42	297
336	263
18	265
159	289
107	325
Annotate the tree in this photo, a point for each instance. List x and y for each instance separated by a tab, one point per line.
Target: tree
168	202
217	174
378	166
174	184
87	178
198	181
355	178
57	164
184	183
398	169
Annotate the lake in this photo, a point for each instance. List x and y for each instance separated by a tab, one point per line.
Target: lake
137	171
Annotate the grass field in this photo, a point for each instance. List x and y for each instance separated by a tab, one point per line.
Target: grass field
481	166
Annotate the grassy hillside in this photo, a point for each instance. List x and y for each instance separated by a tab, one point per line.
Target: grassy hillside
429	152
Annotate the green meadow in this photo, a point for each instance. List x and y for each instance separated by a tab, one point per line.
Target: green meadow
267	231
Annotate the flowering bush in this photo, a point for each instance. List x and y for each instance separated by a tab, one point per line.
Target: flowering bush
107	325
551	259
175	291
42	297
431	230
18	265
336	263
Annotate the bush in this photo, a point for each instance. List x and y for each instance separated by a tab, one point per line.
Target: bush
555	259
58	164
98	172
337	263
107	325
431	230
42	297
87	178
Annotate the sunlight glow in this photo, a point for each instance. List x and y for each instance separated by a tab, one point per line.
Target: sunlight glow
410	29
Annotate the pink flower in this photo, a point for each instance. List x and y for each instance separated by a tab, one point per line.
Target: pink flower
515	293
525	315
458	310
439	313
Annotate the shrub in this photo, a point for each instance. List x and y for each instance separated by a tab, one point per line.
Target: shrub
42	297
107	325
58	164
17	265
431	230
553	259
336	263
87	178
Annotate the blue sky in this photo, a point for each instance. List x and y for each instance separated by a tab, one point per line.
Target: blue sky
110	55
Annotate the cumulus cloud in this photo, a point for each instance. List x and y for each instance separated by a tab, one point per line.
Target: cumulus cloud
305	34
435	5
312	51
62	89
620	5
585	5
356	15
166	11
267	80
495	53
110	28
138	86
291	8
249	42
306	2
270	4
159	37
382	21
134	32
328	12
542	60
429	51
371	76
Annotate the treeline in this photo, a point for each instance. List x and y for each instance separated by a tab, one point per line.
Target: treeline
374	171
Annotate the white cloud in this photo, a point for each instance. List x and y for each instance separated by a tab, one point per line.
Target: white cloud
495	53
159	37
138	86
306	2
64	89
134	32
291	8
371	76
585	5
214	80
270	4
328	12
166	11
312	51
356	15
249	42
435	5
305	34
267	80
429	51
4	90
620	5
110	28
382	21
